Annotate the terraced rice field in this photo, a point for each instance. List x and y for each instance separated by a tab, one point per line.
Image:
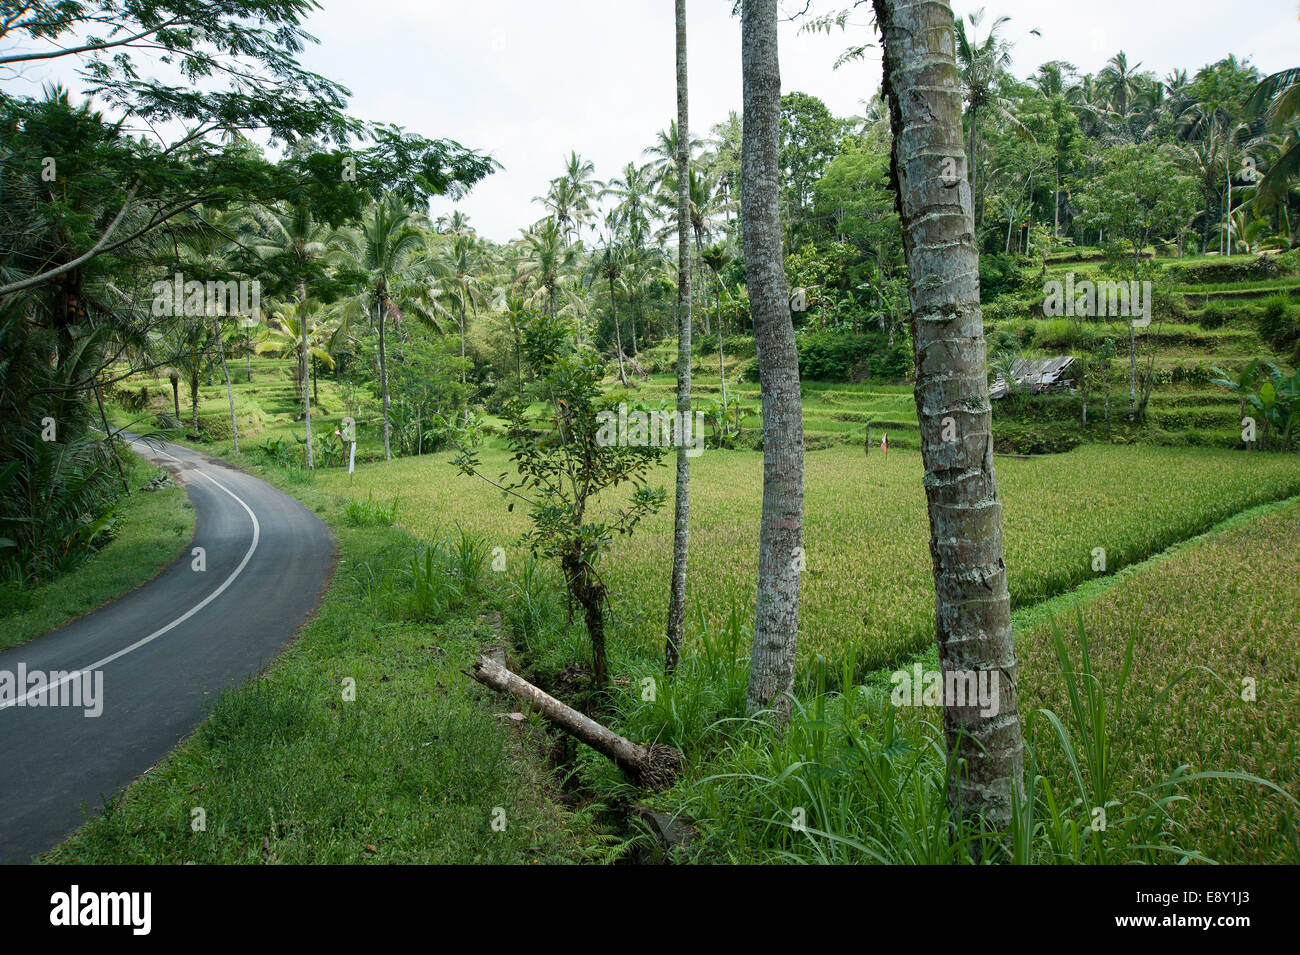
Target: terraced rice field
867	583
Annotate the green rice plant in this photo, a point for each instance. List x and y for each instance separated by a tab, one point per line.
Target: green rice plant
433	588
466	556
709	686
370	512
531	607
854	780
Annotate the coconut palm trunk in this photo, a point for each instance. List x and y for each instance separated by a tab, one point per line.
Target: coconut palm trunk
618	333
973	620
303	372
230	392
383	374
176	392
780	551
682	508
722	369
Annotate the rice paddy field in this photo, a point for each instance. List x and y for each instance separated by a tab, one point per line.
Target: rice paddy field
867	587
1225	610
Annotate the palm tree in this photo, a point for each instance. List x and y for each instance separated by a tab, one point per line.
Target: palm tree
635	193
460	268
780	535
704	205
634	284
293	327
547	255
189	341
717	257
386	246
1121	83
211	243
663	154
1050	79
982	64
292	242
455	223
580	176
1089	104
1277	100
682	502
609	266
724	169
972	604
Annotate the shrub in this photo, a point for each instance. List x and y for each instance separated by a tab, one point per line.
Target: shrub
1212	316
1011	437
1277	322
835	356
999	274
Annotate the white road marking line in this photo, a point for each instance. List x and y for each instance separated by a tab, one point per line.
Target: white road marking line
257	535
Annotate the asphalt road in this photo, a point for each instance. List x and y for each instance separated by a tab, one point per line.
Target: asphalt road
164	650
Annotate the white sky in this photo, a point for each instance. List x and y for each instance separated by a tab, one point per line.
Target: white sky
529	80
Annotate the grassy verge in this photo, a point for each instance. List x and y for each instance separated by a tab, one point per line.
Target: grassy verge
416	768
152	530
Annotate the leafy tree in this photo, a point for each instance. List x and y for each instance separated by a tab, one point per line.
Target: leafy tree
383	253
810	138
564	461
1137	195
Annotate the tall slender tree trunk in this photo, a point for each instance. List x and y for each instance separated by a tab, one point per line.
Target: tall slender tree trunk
230	392
462	340
1132	351
618	334
682	508
780	549
176	397
383	377
722	369
972	606
973	162
306	390
108	439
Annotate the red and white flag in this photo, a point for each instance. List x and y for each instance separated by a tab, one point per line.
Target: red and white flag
884	442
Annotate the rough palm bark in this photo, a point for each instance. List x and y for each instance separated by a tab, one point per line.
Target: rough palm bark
303	358
780	554
230	391
973	621
383	373
618	332
682	507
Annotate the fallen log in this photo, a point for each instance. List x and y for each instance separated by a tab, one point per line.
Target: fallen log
652	767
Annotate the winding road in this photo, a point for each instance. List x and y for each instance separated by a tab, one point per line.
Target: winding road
164	650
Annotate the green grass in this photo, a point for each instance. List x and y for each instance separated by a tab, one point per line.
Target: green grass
867	585
286	770
151	530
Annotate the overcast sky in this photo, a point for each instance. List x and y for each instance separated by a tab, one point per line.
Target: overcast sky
528	81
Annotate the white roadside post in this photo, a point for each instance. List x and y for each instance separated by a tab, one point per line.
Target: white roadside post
350	436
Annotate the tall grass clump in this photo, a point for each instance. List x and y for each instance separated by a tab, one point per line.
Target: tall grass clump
370	512
856	780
